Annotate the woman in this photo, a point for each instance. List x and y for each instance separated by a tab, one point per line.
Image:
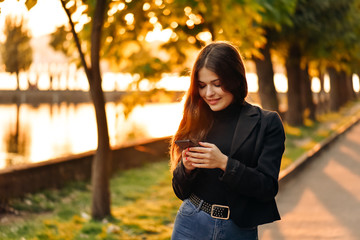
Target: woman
228	182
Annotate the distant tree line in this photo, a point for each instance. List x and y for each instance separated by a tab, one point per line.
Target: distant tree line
16	51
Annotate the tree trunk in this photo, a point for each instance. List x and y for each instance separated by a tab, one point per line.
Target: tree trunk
350	88
102	159
17	129
344	98
17	81
357	94
307	94
335	86
294	114
101	165
265	73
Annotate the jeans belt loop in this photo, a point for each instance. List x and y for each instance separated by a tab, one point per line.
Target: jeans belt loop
200	205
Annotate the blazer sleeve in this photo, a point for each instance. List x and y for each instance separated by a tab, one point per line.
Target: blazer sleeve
260	182
182	181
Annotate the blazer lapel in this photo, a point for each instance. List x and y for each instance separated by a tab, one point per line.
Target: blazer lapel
249	117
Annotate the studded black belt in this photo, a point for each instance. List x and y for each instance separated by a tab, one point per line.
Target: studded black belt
215	211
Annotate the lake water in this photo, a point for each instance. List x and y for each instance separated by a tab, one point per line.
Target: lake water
31	134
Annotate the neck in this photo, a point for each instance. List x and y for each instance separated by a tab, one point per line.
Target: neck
230	111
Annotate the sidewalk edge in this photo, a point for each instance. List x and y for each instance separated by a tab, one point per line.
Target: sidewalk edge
300	162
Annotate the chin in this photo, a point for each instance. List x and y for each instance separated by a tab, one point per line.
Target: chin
216	108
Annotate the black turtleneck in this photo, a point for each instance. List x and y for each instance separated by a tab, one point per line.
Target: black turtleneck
208	186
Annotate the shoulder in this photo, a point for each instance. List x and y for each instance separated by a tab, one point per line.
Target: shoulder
263	112
269	114
266	115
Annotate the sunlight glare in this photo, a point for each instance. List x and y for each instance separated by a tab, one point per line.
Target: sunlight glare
146	6
187	10
326	83
112	11
145	85
173	82
170	114
197	19
129	18
252	81
280	81
315	85
190	23
121	6
153	20
70	4
356	82
9	81
174	24
159	35
204	36
46	16
158	2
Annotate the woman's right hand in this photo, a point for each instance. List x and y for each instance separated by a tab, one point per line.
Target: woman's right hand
187	163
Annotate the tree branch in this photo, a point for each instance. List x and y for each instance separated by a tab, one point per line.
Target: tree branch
77	41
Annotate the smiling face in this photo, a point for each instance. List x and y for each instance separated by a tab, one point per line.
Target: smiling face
211	91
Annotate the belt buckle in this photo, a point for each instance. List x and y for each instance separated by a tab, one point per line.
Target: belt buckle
220	206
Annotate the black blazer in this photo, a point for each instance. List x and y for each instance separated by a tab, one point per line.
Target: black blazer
252	171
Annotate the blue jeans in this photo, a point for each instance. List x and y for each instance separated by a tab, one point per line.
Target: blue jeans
192	223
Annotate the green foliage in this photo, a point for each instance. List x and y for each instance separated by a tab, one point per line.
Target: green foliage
128	23
277	12
146	65
230	20
59	41
91	228
123	40
327	31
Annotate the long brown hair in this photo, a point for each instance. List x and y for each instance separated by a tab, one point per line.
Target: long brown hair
225	61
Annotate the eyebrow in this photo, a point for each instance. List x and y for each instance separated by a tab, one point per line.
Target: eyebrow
217	79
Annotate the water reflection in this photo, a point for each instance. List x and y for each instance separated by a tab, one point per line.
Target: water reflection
16	144
37	133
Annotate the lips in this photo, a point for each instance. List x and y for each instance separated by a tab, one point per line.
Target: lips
213	101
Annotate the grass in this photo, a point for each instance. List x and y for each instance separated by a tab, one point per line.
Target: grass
143	207
299	140
143	203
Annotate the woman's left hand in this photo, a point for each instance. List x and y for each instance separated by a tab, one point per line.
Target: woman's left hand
207	156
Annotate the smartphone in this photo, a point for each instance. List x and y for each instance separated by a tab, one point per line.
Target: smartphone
183	144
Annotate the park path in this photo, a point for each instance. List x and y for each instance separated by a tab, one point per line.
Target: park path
322	200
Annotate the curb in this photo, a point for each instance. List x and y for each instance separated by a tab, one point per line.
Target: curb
298	164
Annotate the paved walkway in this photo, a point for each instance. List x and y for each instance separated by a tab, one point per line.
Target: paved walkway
323	201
